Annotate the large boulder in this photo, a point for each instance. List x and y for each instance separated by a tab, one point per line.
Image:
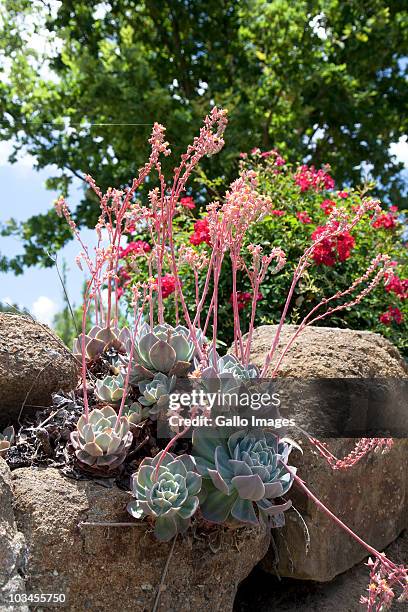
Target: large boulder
372	496
12	546
330	352
34	363
104	568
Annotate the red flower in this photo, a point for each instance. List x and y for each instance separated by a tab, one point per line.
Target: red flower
332	248
168	285
244	298
310	178
138	247
343	194
277	213
386	220
201	232
304	217
188	202
279	161
394	209
392	314
327	206
397	285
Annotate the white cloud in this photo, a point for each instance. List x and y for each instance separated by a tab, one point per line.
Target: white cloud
24	160
44	309
400	150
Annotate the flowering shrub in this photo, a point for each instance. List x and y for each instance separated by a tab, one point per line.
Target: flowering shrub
302	201
128	373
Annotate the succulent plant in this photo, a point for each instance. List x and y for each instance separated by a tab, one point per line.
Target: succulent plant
99	442
135	413
229	366
164	348
110	389
156	393
168	494
99	340
240	472
227	375
6	440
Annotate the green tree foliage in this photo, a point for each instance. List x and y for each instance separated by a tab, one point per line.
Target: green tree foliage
322	79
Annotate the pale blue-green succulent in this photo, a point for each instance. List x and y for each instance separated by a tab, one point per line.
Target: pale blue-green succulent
99	340
155	393
167	493
101	442
241	474
136	413
110	389
162	348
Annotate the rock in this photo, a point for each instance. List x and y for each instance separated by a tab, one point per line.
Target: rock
12	546
104	568
34	363
265	593
329	352
372	496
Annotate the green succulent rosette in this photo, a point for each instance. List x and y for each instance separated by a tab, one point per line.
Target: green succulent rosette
167	493
100	442
110	389
241	474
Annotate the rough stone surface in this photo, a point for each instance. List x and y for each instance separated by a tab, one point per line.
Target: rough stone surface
264	593
329	352
12	545
105	568
372	496
33	363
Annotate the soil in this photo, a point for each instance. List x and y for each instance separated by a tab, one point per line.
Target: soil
263	592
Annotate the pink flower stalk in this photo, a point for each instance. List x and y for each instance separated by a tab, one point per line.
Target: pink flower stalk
362	448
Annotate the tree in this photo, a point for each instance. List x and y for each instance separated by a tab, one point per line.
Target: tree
323	80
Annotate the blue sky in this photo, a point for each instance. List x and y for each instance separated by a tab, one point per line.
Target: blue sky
23	194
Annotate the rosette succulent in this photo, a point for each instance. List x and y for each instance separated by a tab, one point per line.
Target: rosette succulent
243	473
110	389
227	374
6	440
100	442
100	340
162	348
135	413
167	493
156	393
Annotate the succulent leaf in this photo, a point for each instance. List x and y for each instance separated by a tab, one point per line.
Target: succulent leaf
166	491
242	474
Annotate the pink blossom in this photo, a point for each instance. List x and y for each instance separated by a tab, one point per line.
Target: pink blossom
392	314
138	247
386	220
304	217
397	285
307	177
328	206
201	232
188	202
